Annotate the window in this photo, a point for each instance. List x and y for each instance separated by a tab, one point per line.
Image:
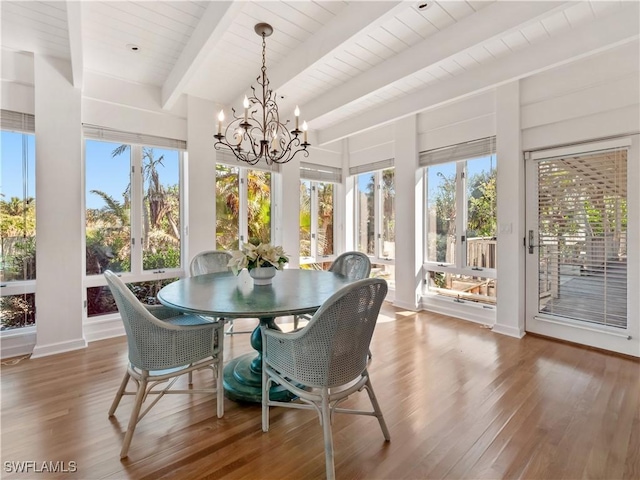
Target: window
243	206
375	218
461	222
17	222
133	215
316	221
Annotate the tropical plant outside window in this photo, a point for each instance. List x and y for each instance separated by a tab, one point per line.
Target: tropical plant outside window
376	220
461	223
243	206
316	222
18	230
132	216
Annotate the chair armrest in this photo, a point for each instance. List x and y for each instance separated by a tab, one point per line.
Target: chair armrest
283	336
161	312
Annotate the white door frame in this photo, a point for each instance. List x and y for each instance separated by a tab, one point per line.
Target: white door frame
624	341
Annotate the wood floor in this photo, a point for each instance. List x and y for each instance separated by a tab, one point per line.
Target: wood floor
459	400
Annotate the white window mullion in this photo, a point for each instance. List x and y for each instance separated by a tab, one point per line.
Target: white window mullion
314	220
461	215
136	209
243	221
184	210
377	215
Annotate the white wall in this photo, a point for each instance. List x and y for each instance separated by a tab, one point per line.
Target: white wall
201	178
596	97
130	107
59	193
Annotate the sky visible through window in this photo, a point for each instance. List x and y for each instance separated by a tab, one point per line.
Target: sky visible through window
103	172
111	174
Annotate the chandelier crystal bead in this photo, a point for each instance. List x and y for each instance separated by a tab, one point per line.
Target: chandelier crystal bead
258	134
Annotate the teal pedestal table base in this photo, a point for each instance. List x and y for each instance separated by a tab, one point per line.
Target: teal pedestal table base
243	375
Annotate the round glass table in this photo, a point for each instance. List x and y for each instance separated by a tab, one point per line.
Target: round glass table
226	295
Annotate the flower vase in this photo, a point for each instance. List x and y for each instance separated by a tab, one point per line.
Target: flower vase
262	275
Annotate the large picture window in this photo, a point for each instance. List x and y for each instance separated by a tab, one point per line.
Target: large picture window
17	222
375	218
316	221
243	206
461	222
133	217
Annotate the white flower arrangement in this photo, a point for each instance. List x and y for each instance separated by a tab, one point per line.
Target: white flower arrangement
254	256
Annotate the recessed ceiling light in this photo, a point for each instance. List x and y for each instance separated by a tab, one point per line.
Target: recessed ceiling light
133	47
424	5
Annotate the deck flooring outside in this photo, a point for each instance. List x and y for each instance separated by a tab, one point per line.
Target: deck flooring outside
591	299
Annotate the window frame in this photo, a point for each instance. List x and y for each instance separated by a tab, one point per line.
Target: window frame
22	124
460	266
243	199
137	273
314	206
378	213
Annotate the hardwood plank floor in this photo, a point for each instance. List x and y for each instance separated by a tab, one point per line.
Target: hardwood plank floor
460	401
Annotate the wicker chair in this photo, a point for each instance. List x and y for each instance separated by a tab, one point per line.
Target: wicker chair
353	265
326	361
213	261
163	345
210	261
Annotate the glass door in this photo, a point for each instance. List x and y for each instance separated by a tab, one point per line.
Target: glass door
577	253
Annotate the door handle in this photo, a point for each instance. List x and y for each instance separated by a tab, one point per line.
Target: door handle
531	245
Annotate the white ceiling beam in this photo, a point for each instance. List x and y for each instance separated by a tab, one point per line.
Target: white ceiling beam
74	24
210	29
614	30
353	21
490	22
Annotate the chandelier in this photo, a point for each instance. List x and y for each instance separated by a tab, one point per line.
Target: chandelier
258	134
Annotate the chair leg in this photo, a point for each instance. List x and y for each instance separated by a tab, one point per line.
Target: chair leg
133	420
328	438
119	393
296	320
219	386
376	409
266	384
230	330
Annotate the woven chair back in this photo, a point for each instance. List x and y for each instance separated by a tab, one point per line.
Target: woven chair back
152	347
332	348
212	261
353	265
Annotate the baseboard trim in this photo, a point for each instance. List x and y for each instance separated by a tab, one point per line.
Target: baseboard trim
406	306
17	345
103	329
508	330
60	347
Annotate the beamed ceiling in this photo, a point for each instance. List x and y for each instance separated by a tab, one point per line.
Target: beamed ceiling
350	66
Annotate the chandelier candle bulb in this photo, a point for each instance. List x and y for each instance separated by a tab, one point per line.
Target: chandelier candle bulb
220	120
246	108
304	129
297	114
